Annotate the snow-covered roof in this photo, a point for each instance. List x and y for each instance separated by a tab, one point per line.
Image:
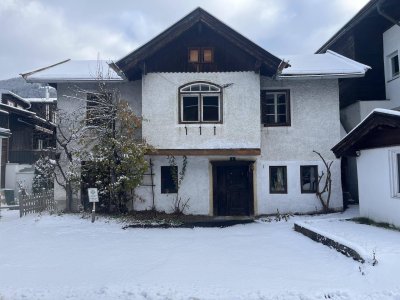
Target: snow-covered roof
329	64
378	118
74	70
41	100
4	132
7	92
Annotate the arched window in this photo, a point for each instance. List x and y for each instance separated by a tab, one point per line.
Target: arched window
200	102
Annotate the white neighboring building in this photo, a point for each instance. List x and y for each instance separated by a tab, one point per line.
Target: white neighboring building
246	120
372	37
376	144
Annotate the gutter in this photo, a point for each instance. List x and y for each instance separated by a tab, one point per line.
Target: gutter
321	76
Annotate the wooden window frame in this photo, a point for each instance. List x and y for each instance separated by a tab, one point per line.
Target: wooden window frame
270	182
303	191
287	103
200	51
164	189
200	95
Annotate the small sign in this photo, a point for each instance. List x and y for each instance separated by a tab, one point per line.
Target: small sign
93	195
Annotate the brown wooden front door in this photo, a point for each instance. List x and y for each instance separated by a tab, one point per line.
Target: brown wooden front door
233	188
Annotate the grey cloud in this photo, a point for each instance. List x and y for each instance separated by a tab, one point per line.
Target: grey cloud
40	32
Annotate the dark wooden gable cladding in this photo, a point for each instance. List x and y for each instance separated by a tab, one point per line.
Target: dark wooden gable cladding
378	130
168	52
361	39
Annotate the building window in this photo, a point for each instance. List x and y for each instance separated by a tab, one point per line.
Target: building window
47	112
194	55
10	103
394	167
277	180
394	64
275	108
39	145
168	184
54	117
308	179
200	102
201	55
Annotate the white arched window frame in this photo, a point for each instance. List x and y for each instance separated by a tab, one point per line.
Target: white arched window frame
200	102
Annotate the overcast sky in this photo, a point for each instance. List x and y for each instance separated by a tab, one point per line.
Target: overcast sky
36	33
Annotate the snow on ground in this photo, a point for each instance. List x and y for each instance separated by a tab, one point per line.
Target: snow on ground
67	257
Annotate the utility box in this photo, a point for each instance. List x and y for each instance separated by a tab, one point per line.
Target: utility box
9	196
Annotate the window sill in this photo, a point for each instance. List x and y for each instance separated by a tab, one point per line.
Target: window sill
278	193
277	125
393	78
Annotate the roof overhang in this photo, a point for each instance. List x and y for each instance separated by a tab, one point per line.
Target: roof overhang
83	71
381	128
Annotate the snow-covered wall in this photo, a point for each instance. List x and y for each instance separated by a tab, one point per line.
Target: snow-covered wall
241	112
391	45
378	183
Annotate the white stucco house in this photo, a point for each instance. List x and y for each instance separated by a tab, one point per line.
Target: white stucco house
375	143
247	121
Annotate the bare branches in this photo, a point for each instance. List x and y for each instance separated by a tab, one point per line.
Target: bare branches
327	185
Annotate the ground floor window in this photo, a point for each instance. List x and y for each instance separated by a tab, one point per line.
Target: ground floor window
277	179
168	184
309	178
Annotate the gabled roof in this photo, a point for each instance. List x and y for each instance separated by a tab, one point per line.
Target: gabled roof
380	128
373	7
74	70
329	64
187	22
7	92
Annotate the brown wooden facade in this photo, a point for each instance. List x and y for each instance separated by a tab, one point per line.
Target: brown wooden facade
169	51
361	40
378	130
30	135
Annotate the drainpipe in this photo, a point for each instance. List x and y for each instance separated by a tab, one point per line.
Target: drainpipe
383	14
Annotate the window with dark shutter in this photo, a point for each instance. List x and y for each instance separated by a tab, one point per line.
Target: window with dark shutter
275	108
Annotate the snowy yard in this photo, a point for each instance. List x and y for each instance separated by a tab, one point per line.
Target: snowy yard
66	257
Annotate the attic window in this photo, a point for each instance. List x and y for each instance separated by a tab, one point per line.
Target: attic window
201	55
200	102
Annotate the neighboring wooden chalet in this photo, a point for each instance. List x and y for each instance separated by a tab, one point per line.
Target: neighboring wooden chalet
247	120
371	37
375	143
31	133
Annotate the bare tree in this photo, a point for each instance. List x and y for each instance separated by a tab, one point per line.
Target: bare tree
99	127
324	189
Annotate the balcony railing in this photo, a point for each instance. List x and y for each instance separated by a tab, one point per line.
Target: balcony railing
29	156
